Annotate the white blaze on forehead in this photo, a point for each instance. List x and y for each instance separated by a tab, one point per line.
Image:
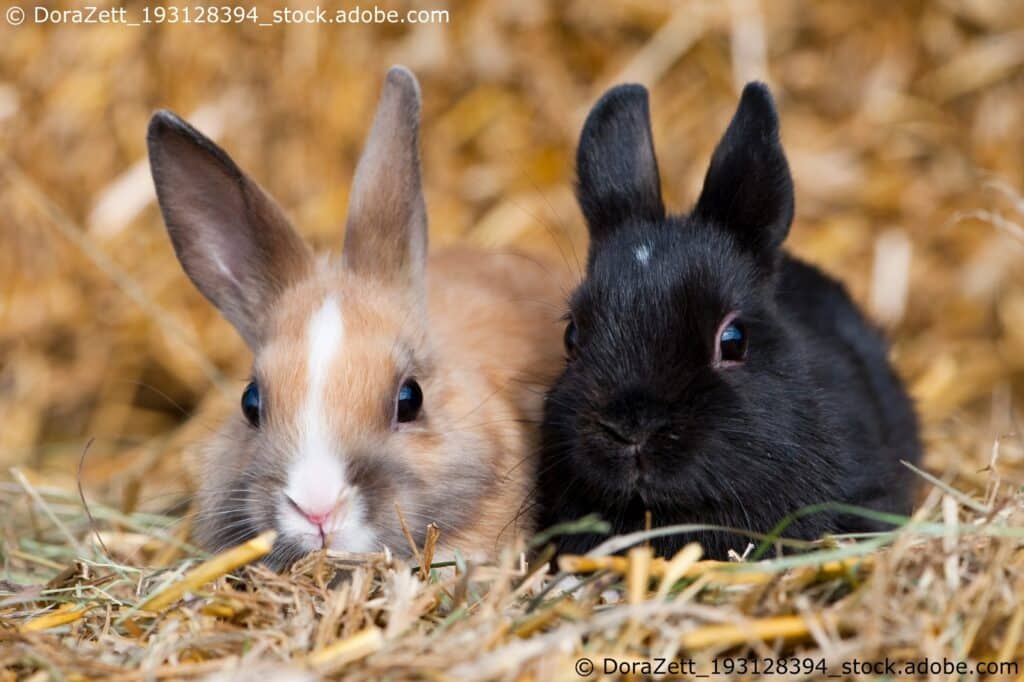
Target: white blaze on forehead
642	254
325	332
317	476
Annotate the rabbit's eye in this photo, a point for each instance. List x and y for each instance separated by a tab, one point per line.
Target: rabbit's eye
410	400
732	343
570	337
251	404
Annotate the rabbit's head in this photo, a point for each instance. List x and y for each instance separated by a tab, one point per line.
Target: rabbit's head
345	415
684	391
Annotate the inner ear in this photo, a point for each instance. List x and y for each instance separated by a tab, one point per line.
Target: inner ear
386	231
231	238
748	190
617	171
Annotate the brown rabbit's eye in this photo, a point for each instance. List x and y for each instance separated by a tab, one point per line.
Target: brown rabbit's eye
570	337
251	404
732	343
410	400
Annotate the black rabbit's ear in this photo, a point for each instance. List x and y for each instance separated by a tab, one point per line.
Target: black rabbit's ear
615	163
748	190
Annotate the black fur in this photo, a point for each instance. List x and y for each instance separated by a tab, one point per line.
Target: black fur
641	420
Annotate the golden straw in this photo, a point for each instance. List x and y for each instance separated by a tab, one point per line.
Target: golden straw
681	564
359	645
211	569
68	613
719	571
789	628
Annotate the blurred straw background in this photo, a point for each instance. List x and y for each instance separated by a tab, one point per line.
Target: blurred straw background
902	121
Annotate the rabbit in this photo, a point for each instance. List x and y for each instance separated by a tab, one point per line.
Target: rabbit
386	378
712	378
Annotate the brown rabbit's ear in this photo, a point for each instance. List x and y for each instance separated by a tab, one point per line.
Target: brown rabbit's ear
386	232
231	238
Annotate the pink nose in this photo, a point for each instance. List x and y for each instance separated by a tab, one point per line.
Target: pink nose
318	517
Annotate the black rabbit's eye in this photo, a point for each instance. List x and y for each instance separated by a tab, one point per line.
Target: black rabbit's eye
410	399
570	337
251	404
732	343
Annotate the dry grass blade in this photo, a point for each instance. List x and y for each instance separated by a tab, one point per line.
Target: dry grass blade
779	628
68	613
210	570
344	651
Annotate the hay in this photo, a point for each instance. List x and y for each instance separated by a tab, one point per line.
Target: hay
946	585
902	123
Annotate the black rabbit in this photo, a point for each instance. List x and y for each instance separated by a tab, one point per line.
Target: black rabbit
711	377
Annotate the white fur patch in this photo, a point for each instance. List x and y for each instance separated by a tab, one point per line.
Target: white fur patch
317	480
325	333
642	254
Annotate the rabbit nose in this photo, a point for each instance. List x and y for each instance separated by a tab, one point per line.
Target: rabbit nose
616	431
317	519
632	434
632	417
317	516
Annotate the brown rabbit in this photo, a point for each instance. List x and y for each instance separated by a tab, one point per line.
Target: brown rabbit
377	380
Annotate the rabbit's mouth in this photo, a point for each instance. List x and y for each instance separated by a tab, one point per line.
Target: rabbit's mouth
340	526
